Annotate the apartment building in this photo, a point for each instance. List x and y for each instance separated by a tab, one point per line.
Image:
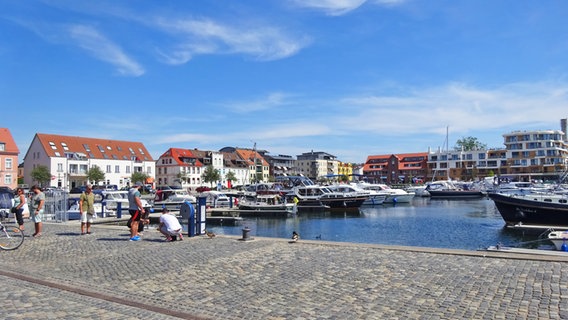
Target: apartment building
528	155
396	168
68	159
315	165
8	160
185	167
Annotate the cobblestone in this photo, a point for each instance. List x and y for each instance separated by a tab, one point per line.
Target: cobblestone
64	275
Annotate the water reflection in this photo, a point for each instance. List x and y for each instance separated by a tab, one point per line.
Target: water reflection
458	224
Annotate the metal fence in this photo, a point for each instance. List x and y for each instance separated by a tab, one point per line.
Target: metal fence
56	206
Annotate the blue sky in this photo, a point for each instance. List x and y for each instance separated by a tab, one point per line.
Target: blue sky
349	77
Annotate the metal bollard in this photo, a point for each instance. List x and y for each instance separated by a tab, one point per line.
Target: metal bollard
118	210
246	236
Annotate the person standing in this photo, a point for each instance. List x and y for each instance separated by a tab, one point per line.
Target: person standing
19	202
87	209
36	209
136	210
170	226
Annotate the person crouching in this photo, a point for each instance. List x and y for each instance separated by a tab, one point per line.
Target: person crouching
170	226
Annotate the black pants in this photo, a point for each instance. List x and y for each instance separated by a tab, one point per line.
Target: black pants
20	216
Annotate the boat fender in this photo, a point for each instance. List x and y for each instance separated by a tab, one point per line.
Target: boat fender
564	246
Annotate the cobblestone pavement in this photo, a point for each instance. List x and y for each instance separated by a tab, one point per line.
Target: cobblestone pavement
63	275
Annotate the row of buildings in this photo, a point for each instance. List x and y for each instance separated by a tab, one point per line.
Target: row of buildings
527	155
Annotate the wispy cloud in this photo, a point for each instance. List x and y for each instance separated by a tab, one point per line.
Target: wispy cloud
341	7
96	44
272	100
205	36
462	107
330	7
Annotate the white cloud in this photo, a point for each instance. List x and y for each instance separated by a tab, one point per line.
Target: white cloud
330	7
341	7
272	100
91	40
205	36
463	108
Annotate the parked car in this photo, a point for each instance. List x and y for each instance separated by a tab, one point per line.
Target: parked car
79	189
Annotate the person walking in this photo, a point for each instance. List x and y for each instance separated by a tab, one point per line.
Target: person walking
19	202
170	226
136	210
36	209
87	209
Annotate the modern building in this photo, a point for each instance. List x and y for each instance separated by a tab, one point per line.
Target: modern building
279	165
8	160
396	168
317	165
69	158
527	156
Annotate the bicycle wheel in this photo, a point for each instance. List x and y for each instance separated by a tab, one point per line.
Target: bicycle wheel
11	237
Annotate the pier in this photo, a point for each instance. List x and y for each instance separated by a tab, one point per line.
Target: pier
66	275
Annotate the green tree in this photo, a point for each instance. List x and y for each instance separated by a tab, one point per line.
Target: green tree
210	175
41	174
95	174
230	176
138	177
469	143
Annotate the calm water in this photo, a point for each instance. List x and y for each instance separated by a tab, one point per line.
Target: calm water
457	224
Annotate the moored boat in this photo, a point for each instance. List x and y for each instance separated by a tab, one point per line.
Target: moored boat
540	210
264	205
172	199
451	190
560	239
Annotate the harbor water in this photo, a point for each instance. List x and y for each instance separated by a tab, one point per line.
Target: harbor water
456	224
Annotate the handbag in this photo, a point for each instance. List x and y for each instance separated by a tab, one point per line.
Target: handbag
14	210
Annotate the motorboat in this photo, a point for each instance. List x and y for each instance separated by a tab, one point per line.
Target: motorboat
314	193
560	239
73	212
267	204
419	191
172	199
538	210
216	199
373	197
115	200
452	190
392	195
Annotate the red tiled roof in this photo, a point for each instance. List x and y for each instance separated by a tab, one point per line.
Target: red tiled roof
97	148
250	155
178	153
8	140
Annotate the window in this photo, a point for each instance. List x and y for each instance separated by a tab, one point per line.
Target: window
8	179
108	168
127	169
53	146
148	170
8	164
60	167
64	145
2	146
117	169
87	148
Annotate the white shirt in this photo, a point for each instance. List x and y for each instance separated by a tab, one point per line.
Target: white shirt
170	221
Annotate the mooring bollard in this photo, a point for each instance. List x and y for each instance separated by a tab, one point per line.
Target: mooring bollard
246	235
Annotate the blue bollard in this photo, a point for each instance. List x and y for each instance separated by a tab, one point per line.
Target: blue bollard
118	210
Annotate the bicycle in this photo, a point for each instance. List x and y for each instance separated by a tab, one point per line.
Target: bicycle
11	237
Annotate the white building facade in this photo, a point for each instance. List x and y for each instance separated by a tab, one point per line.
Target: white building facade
69	158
